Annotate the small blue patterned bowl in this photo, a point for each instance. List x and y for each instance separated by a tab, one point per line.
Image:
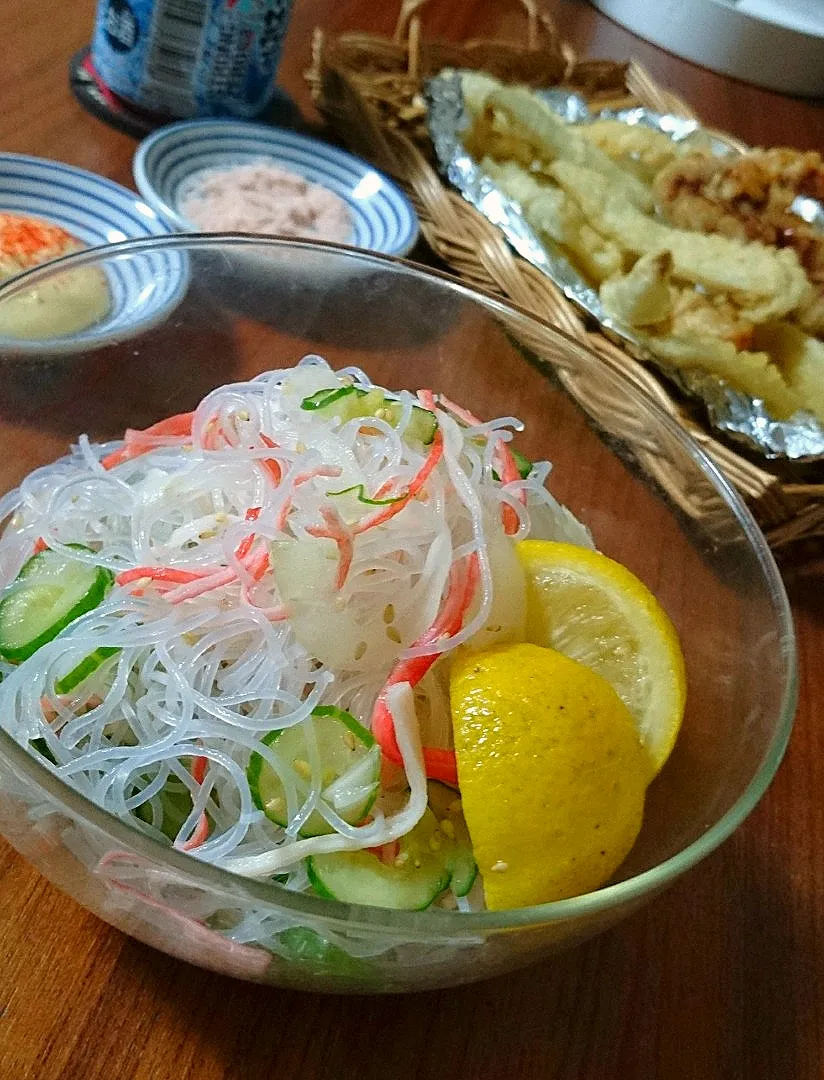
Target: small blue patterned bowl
165	163
96	211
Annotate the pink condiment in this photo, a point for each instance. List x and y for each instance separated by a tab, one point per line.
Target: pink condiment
263	198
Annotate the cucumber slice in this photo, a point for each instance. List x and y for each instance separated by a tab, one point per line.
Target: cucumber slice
422	423
460	859
307	947
87	666
176	805
417	876
42	747
350	768
349	402
523	464
50	592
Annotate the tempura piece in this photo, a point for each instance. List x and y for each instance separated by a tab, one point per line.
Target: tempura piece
555	216
642	150
696	314
800	359
514	125
642	297
766	283
751	372
810	313
476	86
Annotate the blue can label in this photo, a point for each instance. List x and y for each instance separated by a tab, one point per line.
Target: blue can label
191	57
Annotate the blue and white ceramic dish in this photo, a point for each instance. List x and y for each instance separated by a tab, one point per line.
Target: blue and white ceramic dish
166	162
97	212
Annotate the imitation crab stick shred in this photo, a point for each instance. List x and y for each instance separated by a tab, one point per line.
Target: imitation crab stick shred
173	431
505	459
335	529
199	836
245	546
159	573
439	763
415	486
270	467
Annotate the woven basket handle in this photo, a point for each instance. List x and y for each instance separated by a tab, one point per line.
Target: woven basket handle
534	23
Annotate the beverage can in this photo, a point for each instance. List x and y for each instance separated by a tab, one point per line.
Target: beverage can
189	58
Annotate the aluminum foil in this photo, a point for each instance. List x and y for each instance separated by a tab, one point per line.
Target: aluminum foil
740	417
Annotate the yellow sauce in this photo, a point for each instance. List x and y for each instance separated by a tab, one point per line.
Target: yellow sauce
63	305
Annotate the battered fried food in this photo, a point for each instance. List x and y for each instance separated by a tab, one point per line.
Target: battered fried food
514	125
644	296
558	219
753	373
749	197
767	283
641	150
714	283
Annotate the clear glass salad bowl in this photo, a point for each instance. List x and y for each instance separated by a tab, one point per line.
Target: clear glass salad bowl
195	312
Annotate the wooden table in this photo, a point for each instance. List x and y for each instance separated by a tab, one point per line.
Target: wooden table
720	978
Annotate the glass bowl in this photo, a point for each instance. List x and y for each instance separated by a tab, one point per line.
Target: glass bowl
652	499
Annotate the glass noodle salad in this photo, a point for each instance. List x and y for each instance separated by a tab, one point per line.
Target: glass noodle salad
236	630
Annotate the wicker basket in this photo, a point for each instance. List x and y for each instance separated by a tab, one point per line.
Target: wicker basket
369	89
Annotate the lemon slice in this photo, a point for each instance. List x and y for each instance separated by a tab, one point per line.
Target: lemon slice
595	611
551	769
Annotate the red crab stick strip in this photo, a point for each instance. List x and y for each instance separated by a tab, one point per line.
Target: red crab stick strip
200	834
199	766
416	484
440	763
245	545
337	531
507	466
202	585
136	443
271	468
160	573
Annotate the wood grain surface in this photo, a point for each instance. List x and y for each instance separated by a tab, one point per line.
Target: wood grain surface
722	977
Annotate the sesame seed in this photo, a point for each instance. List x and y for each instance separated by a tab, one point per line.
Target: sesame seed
435	842
417	864
499	867
393	634
329	777
207	534
221	518
401	859
360	649
350	741
302	768
389	613
447	828
455	806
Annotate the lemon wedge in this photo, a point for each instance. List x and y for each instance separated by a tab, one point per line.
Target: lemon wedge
595	611
552	773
